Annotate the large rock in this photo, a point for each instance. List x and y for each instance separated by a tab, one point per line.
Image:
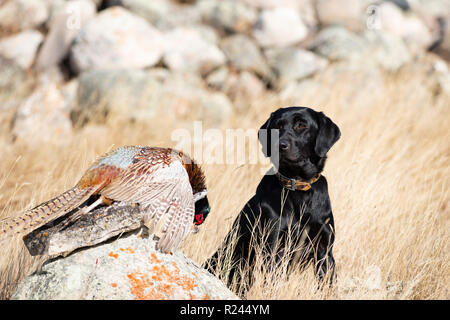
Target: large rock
127	93
187	50
63	29
306	8
270	4
388	50
292	64
243	88
116	39
17	15
14	82
244	54
347	13
337	43
218	78
432	7
140	95
328	84
125	269
163	14
279	27
390	18
227	15
21	47
15	85
43	117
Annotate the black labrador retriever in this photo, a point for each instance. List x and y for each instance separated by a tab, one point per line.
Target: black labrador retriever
293	202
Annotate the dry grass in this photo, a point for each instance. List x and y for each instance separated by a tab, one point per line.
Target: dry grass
388	183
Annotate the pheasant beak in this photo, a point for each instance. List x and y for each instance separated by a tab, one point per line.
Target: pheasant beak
195	229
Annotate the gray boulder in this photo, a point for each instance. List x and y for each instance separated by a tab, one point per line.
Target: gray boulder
305	8
244	54
270	4
388	50
337	43
292	64
15	85
62	31
43	117
21	47
18	15
126	269
163	14
127	93
217	78
186	50
348	13
116	39
326	85
227	15
142	95
243	89
14	82
413	30
279	27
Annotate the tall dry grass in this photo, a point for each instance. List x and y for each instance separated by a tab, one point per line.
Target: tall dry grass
388	183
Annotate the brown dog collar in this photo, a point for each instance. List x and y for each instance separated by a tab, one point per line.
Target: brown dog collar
296	184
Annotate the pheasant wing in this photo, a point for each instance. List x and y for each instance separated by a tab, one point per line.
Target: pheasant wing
163	190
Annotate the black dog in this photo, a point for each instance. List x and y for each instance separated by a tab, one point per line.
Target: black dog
297	195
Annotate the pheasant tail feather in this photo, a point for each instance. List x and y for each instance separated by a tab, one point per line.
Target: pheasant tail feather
45	212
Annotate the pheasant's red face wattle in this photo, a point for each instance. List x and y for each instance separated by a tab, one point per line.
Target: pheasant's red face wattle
199	218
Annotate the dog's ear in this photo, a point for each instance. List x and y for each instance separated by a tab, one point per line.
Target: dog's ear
327	136
264	136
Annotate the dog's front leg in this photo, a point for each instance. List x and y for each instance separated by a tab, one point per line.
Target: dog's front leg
324	260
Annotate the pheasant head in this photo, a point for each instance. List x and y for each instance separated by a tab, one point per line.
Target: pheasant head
198	183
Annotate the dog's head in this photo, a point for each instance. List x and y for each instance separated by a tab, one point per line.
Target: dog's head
304	138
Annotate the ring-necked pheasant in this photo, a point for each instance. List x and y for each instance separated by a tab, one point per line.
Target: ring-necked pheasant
161	180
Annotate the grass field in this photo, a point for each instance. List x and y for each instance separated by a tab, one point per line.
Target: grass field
388	180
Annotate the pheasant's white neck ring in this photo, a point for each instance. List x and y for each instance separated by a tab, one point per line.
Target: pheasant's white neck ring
199	195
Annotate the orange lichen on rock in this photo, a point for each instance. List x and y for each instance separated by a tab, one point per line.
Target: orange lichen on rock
114	255
154	258
114	285
127	250
160	283
142	287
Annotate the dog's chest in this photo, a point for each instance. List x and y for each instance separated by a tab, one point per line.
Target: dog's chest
294	208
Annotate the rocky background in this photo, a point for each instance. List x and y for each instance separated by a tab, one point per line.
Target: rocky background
63	63
72	72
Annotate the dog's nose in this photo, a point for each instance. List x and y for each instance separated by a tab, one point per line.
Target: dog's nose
284	145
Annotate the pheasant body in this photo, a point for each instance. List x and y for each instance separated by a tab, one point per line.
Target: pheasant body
162	180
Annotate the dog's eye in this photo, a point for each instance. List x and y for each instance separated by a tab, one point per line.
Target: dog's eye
300	126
